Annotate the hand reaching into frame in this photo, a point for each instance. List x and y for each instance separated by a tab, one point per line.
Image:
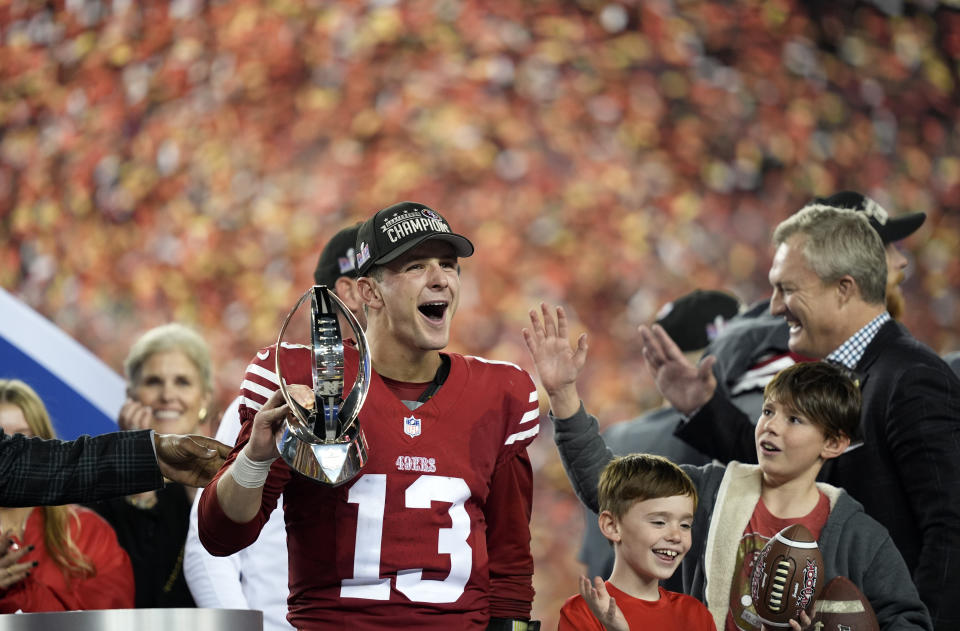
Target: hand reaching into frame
191	460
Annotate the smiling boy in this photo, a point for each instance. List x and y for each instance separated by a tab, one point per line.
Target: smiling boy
810	411
646	512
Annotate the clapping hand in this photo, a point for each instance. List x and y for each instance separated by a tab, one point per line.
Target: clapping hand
686	386
602	604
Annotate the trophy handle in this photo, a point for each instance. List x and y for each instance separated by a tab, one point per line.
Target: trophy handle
350	408
298	424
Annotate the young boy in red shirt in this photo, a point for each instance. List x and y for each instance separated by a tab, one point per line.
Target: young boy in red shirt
646	511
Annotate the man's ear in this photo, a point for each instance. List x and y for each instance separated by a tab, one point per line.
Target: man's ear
348	292
369	292
833	447
609	526
847	289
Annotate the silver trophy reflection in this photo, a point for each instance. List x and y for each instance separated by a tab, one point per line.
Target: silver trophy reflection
325	443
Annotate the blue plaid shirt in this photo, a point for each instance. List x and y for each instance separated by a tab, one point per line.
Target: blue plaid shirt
850	352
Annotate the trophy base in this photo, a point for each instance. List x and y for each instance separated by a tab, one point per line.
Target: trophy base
328	463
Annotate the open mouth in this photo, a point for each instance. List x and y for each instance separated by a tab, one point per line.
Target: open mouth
667	555
433	311
768	446
166	415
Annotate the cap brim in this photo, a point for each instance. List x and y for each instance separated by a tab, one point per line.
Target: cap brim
900	227
461	246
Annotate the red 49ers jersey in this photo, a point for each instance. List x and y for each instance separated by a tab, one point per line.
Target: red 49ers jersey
405	542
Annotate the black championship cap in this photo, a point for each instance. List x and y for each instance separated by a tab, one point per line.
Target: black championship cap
889	228
337	258
693	320
399	228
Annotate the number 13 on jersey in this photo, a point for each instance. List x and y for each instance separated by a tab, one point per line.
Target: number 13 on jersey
369	493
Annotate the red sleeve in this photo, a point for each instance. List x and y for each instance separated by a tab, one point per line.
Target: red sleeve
575	615
112	587
508	539
510	502
219	534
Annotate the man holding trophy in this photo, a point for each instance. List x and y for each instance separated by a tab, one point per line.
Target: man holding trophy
408	498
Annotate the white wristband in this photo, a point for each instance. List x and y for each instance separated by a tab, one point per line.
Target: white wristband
250	474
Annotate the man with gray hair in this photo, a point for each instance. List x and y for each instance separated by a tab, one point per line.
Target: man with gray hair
829	280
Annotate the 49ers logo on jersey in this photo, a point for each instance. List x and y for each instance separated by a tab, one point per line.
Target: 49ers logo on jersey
416	463
411	426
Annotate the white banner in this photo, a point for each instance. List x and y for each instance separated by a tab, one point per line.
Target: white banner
82	394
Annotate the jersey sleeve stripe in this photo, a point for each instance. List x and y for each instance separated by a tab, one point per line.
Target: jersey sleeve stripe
256	388
532	415
250	403
265	373
534	396
495	362
512	438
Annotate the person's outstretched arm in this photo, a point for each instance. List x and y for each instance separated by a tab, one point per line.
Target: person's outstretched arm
40	472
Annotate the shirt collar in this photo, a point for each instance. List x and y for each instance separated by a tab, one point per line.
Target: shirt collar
850	352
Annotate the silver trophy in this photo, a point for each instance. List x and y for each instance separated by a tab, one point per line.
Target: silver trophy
326	443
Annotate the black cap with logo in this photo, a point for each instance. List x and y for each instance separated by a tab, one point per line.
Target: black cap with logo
889	228
400	228
694	319
337	258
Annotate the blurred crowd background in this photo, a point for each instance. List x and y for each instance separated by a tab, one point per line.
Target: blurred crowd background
186	160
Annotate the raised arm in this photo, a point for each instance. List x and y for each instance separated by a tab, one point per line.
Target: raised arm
557	363
240	488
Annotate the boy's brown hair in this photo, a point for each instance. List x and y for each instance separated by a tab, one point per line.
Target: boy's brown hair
823	393
638	477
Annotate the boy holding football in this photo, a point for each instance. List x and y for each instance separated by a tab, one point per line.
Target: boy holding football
810	412
646	512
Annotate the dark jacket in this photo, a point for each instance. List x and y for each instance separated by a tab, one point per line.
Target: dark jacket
38	472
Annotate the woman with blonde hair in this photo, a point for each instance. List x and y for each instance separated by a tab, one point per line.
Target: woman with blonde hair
55	558
169	388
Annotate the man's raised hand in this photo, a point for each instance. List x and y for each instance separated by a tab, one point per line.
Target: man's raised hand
686	386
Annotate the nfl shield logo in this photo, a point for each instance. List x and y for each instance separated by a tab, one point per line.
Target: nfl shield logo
411	426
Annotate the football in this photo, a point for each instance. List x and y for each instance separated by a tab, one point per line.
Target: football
843	606
787	576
